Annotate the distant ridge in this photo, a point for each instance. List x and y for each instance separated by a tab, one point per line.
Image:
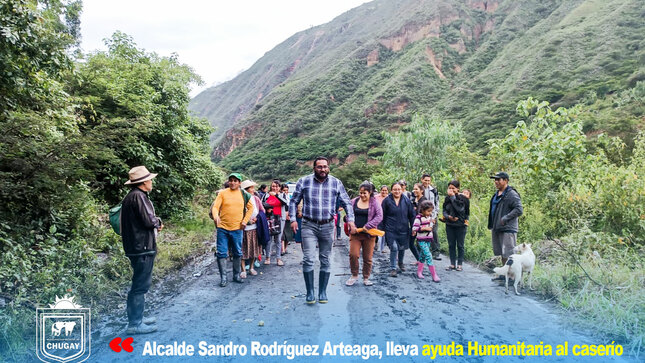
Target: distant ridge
334	88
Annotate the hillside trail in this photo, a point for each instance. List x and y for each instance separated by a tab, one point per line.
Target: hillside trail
464	307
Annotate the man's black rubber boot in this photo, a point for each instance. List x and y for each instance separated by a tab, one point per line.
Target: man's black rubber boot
237	268
309	284
221	265
323	278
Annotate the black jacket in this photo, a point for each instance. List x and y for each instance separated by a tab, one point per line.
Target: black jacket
138	224
507	211
415	204
456	206
398	220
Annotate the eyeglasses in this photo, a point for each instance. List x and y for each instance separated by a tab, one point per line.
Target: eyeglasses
321	167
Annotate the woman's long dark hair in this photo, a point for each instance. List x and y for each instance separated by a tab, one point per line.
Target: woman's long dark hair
367	186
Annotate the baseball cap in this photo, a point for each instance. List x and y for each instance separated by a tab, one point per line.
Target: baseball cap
238	176
500	175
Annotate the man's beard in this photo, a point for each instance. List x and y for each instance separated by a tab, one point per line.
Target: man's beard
321	175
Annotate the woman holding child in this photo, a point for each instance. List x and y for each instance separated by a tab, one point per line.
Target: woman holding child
368	214
279	205
456	211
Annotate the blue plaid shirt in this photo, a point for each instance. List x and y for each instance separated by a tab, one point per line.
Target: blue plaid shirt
320	198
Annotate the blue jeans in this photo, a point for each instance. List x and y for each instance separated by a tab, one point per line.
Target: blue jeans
381	243
277	242
396	250
223	237
322	234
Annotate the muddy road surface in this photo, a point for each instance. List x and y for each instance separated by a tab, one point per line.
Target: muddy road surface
269	312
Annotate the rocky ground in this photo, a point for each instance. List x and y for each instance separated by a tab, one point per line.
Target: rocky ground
270	309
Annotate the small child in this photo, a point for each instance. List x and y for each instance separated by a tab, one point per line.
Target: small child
466	193
273	222
423	229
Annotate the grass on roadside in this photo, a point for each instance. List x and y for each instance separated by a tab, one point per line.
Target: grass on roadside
108	278
603	287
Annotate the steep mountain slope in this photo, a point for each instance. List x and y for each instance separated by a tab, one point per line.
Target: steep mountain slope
334	88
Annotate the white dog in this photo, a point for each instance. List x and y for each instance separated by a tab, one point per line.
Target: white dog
522	261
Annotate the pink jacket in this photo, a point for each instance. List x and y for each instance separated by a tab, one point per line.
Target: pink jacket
374	213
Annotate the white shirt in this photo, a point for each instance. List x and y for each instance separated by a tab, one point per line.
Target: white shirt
250	227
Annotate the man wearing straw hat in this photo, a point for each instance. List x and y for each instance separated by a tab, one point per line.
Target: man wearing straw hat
139	227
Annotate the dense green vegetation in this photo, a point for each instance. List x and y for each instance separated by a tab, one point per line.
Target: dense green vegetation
315	93
584	205
445	101
72	127
73	124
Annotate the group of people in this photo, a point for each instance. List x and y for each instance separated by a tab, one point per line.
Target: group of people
250	221
409	221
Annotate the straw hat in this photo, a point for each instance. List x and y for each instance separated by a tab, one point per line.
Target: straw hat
139	174
247	183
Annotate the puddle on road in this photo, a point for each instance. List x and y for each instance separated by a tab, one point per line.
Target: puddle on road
334	315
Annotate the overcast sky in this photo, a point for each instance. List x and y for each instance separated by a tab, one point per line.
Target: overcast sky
218	39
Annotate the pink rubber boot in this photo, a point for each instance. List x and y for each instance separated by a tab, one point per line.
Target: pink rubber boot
420	270
435	277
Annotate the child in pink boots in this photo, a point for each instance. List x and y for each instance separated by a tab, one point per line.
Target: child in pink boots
422	227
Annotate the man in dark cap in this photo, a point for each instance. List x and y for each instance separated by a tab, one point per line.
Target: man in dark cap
505	208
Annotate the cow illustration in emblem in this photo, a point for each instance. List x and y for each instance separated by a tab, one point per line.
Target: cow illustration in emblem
58	327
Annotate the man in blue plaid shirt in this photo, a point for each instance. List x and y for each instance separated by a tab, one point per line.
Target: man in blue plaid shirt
319	192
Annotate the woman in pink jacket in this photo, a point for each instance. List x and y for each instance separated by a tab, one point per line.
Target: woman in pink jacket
368	214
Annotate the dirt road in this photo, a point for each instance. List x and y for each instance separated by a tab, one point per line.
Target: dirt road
465	308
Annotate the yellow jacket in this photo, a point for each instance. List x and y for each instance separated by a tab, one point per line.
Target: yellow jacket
229	206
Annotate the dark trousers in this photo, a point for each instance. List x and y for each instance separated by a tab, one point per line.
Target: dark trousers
456	237
413	247
141	281
434	245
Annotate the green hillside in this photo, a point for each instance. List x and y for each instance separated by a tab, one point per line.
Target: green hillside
333	89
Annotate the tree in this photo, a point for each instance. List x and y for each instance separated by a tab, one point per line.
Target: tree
33	57
134	105
425	145
38	163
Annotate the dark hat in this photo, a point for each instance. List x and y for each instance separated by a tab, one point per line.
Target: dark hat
500	175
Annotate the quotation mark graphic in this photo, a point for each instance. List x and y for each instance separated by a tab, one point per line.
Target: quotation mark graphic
116	344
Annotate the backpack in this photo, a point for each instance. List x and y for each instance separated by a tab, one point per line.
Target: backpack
115	218
246	196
